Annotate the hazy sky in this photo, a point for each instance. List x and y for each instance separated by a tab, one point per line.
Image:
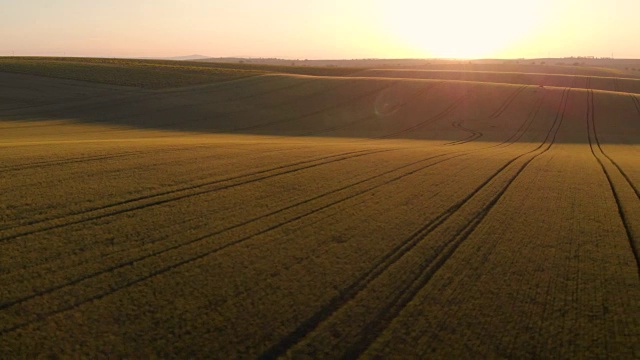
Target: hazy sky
321	29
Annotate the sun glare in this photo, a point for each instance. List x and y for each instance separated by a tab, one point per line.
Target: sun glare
460	29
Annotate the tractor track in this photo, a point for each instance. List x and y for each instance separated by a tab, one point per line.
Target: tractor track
496	114
217	249
474	134
126	201
130	262
119	170
508	102
452	107
154	199
218	232
376	326
82	159
89	158
506	143
636	102
391	310
527	123
593	138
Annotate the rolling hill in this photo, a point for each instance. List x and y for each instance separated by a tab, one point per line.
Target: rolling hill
369	213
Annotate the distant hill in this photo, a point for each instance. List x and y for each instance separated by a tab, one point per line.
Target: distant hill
179	58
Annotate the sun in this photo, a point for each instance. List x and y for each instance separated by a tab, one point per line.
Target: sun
459	29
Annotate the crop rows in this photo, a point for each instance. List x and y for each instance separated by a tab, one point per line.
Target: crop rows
633	232
450	220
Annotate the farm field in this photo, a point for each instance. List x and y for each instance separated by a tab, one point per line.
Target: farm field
376	213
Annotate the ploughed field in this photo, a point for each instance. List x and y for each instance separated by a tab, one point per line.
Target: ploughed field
289	216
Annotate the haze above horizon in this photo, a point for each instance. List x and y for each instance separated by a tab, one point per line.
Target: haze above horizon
321	29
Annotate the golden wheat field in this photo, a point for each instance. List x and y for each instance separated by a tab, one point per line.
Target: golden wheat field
385	214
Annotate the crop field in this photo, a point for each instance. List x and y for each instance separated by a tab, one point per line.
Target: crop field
151	74
374	214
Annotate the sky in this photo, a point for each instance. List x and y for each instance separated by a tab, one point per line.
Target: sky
321	29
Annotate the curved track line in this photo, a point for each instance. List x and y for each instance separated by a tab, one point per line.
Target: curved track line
636	102
473	134
375	327
218	232
524	127
592	133
20	223
432	119
149	200
351	291
210	252
130	262
81	159
591	112
225	246
508	102
193	259
496	114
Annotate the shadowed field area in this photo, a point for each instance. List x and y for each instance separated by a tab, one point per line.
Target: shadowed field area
394	214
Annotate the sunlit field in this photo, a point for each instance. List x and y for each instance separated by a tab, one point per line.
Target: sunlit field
173	211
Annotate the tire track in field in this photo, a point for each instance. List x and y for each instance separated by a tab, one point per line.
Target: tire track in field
508	102
453	106
474	134
591	112
41	316
390	310
37	220
160	271
517	135
89	158
193	241
319	111
496	114
384	317
524	127
593	137
513	139
163	197
636	102
82	159
461	152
